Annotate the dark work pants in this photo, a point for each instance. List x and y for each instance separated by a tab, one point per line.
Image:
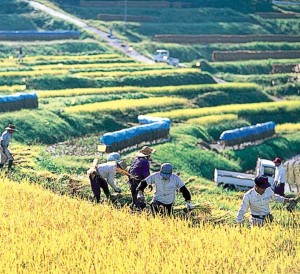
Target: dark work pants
279	189
133	185
161	208
97	183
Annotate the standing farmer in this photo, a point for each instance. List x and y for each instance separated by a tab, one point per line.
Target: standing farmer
103	174
279	177
166	184
258	200
139	170
5	154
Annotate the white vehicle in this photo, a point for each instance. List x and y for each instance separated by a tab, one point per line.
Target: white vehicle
162	55
244	181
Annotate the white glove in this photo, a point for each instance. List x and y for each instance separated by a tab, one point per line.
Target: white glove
140	196
189	205
118	190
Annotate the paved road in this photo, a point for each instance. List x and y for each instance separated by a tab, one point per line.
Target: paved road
114	41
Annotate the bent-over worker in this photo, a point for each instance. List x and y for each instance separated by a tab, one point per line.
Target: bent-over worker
103	174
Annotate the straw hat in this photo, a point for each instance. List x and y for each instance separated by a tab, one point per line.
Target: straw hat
11	127
145	151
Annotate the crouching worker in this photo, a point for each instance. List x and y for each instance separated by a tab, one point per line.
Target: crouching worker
5	155
258	200
103	174
166	184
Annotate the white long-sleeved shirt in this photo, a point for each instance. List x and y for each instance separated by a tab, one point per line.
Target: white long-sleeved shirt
108	172
5	138
279	174
258	204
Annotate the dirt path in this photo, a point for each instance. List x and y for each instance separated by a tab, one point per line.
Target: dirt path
113	42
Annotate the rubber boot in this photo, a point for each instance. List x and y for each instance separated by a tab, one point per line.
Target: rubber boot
10	163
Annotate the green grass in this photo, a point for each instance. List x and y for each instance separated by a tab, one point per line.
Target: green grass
265	80
54	48
13	22
285	147
48	127
51	82
246	67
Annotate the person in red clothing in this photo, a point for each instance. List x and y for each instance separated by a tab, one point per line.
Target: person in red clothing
139	170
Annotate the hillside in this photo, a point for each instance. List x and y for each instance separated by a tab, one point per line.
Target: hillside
72	92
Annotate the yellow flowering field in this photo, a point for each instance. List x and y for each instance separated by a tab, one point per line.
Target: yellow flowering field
42	232
227	109
213	119
125	104
288	127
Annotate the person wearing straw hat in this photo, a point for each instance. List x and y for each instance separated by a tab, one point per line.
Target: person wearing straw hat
102	175
139	170
166	185
258	200
5	155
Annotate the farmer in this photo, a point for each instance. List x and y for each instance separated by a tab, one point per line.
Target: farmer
166	184
279	177
5	154
20	55
258	200
103	174
139	170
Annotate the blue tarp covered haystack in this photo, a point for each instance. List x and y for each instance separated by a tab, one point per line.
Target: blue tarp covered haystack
247	134
18	101
152	129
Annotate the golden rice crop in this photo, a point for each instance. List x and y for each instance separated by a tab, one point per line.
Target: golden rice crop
12	88
135	73
46	233
86	91
11	61
213	119
96	66
155	90
33	73
227	109
288	127
120	105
